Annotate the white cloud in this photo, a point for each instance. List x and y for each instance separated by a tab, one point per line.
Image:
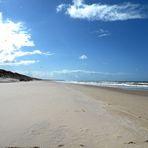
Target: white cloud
104	12
60	7
83	57
102	33
22	62
72	74
13	37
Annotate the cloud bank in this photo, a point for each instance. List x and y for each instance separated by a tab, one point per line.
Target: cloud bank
74	74
104	12
79	71
13	37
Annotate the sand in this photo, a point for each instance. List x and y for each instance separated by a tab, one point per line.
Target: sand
53	115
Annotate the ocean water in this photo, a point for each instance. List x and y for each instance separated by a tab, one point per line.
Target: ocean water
130	85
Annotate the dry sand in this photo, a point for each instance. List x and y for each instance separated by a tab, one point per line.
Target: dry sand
53	115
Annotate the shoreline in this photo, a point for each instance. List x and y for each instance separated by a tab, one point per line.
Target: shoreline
130	101
142	92
122	90
126	85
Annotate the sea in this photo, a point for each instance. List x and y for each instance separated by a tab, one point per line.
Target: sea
129	85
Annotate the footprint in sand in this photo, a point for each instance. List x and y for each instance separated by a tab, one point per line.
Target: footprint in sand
82	145
84	130
83	110
61	145
131	142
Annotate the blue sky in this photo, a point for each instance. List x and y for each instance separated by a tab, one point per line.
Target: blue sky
75	39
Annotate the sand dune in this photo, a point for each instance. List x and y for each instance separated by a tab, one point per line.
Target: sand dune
52	115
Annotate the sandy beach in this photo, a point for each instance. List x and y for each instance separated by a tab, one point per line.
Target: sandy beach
52	115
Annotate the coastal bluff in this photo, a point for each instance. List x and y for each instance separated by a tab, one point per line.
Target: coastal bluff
13	76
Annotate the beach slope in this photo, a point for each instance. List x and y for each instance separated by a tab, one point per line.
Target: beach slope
52	115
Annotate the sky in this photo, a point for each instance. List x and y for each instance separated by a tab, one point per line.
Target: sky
75	39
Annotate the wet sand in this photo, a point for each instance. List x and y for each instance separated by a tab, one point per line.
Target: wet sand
52	115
